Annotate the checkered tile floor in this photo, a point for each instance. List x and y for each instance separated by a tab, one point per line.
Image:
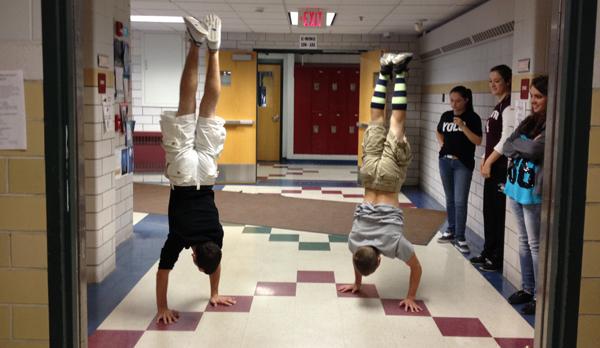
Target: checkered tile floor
285	283
286	297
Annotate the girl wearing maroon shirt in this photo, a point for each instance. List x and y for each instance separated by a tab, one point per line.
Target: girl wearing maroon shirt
493	169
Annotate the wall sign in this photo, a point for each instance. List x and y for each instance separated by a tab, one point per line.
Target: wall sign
13	133
312	18
308	41
523	65
525	89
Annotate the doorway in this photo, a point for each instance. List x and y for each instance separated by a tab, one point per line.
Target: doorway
268	114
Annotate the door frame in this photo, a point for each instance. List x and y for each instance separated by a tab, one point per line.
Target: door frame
63	134
571	58
278	62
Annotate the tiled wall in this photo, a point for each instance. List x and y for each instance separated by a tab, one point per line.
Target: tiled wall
469	67
589	302
109	195
23	260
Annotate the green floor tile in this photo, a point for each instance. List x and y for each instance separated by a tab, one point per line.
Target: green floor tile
336	238
284	238
252	229
314	246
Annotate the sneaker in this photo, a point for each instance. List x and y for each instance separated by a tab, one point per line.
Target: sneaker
401	61
195	31
446	237
387	59
489	266
462	246
478	260
529	308
520	297
212	23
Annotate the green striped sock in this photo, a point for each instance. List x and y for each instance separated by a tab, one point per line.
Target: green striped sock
378	99
399	98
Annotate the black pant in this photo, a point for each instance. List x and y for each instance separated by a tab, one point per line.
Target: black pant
494	211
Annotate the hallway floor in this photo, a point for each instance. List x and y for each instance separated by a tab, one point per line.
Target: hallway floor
285	285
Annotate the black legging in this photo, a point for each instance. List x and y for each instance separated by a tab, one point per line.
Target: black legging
494	211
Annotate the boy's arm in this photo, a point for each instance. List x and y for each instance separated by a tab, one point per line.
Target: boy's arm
409	302
215	299
163	312
352	287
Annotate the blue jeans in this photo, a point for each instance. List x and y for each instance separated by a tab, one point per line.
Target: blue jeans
528	221
456	179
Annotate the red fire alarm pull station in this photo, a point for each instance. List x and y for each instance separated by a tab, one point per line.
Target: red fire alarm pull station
524	88
101	83
118	28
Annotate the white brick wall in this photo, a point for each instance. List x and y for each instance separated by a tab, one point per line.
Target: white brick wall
471	64
108	220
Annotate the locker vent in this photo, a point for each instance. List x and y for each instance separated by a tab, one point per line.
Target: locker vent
457	44
494	32
431	53
489	34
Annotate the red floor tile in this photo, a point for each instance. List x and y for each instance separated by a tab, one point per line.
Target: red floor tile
331	192
275	289
315	277
353	195
243	305
366	291
514	342
291	191
311	171
188	321
390	307
311	188
277	175
114	338
463	327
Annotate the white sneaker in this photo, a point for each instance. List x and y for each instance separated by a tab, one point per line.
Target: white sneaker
401	61
386	59
195	30
212	26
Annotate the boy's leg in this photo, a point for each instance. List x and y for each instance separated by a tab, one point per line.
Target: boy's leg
396	154
374	136
212	85
189	83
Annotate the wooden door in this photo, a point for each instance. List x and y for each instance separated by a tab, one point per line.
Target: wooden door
268	134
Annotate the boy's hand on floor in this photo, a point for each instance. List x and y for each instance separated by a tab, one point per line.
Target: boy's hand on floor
349	287
222	300
167	316
410	305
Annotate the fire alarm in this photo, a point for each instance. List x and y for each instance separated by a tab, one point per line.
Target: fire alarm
118	28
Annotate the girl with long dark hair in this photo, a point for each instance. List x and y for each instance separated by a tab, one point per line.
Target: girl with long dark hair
458	132
525	148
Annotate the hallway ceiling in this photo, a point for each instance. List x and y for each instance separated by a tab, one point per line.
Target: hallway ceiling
270	16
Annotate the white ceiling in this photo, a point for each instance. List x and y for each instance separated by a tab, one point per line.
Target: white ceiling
378	16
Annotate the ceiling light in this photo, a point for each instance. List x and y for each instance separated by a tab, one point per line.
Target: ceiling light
157	19
293	17
330	18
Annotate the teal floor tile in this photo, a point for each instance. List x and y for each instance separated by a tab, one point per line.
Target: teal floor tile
337	238
252	229
284	238
314	246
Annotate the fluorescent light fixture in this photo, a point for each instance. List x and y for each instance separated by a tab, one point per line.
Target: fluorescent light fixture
157	19
293	17
330	18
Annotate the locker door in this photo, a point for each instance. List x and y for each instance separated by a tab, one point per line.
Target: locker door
302	112
337	111
319	103
353	95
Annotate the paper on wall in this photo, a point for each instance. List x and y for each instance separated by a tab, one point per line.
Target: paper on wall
13	123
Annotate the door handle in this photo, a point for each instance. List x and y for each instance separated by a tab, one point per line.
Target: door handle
275	118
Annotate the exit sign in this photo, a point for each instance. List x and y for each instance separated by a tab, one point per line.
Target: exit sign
312	18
